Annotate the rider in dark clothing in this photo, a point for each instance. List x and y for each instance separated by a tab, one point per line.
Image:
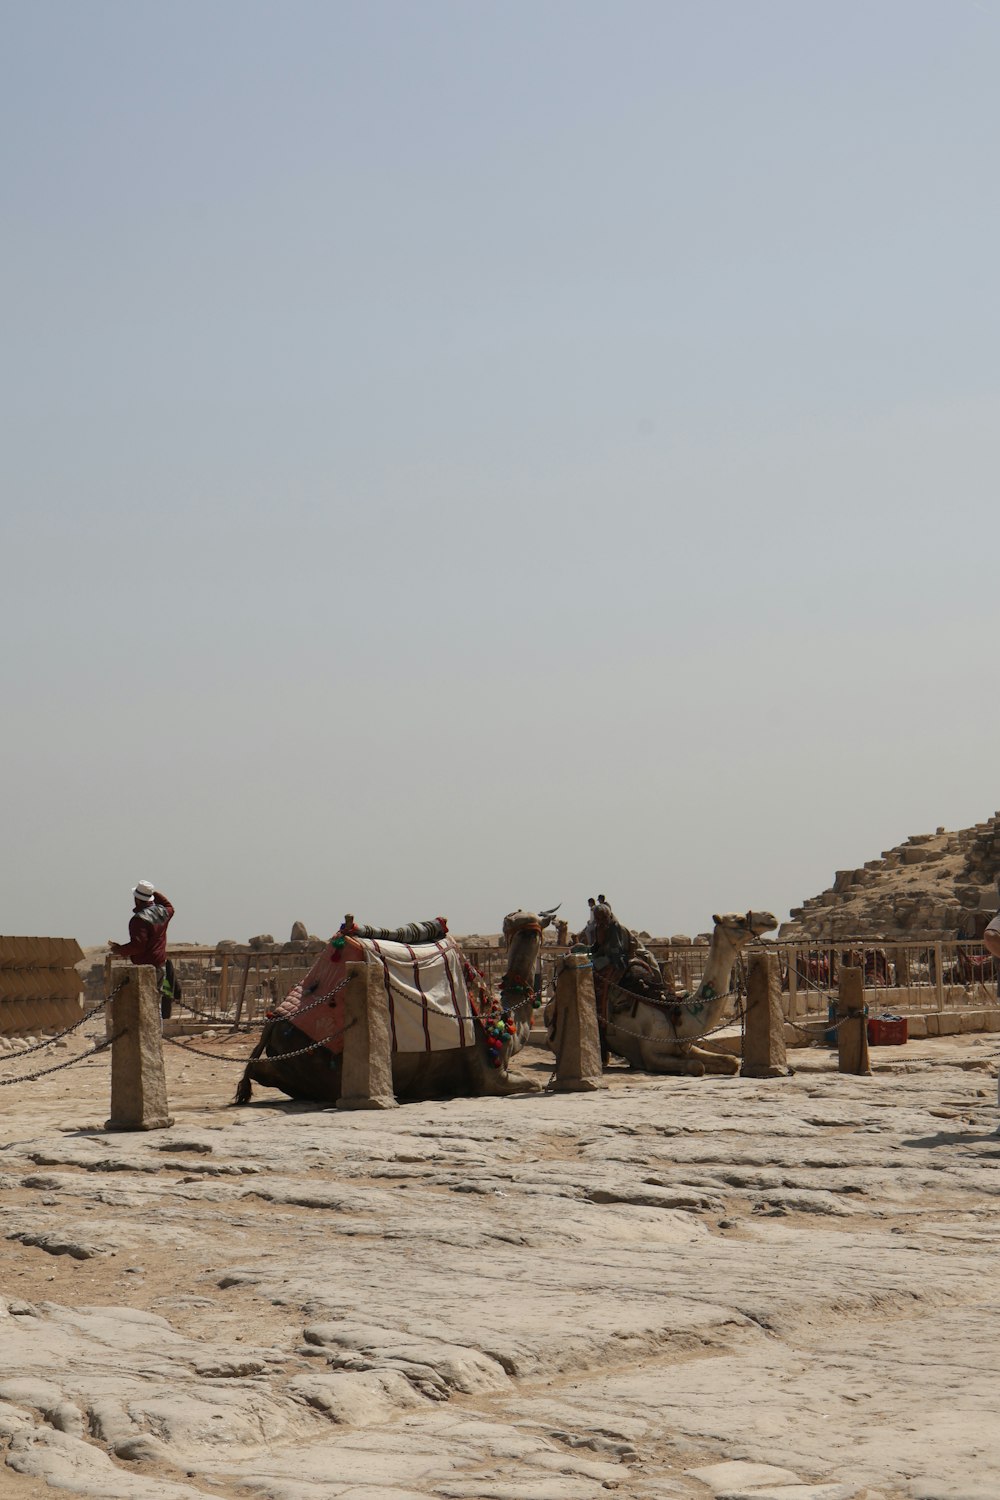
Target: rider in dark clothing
147	928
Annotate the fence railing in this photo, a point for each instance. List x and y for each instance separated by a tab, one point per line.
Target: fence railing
901	977
904	978
238	987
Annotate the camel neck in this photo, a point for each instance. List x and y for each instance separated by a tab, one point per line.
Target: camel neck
719	966
522	958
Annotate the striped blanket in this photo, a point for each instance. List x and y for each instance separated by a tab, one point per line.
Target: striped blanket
430	1008
429	1005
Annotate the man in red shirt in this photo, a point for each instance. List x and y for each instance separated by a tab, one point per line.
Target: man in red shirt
147	929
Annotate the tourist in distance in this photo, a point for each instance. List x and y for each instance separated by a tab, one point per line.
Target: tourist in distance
590	928
147	930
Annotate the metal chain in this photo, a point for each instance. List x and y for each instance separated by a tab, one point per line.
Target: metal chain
515	1007
204	1015
730	1020
51	1040
216	1020
742	1011
303	1051
739	1016
304	1009
402	994
282	1057
818	1029
199	1052
70	1062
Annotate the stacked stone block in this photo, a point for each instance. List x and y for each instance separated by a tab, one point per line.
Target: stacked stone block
39	985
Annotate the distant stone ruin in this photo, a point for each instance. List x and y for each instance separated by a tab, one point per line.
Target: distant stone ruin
935	885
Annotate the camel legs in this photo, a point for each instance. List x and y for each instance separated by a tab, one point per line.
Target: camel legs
487	1081
716	1062
659	1059
691	1062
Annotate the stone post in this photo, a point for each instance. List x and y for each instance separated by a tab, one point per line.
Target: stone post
852	1027
577	1040
366	1073
764	1053
138	1084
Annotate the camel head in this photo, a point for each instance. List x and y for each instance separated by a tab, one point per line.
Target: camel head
516	922
743	927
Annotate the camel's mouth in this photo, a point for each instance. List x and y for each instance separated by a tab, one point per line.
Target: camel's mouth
759	922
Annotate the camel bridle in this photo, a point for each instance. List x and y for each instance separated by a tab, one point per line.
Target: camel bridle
516	981
751	929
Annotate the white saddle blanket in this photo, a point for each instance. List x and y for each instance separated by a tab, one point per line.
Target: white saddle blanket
425	992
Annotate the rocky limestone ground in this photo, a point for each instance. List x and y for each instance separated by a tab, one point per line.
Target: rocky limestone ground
674	1289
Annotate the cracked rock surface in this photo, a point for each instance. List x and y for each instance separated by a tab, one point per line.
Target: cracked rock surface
680	1289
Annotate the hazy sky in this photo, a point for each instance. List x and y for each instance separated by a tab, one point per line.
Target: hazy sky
461	456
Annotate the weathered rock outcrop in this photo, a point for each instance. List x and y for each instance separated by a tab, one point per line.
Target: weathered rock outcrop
935	885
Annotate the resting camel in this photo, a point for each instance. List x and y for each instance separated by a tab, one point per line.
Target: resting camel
309	1022
652	1028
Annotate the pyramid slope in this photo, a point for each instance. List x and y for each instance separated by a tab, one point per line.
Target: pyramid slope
935	885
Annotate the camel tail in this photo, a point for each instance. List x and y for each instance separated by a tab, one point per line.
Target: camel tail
244	1089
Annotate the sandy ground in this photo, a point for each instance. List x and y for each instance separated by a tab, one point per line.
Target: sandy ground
783	1290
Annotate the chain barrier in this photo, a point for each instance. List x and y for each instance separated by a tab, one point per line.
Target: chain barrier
200	1052
204	1015
69	1063
666	1004
291	1017
819	1028
628	998
515	1007
50	1041
816	1029
304	1009
304	1051
742	1011
280	1057
739	1015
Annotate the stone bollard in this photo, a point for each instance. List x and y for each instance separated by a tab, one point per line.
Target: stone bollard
366	1073
764	1054
138	1084
577	1039
852	1024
